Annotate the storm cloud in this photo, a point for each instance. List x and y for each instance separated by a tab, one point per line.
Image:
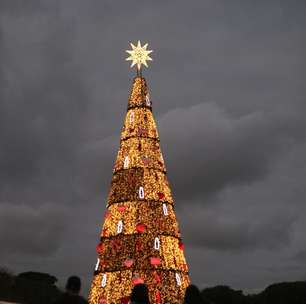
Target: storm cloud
227	84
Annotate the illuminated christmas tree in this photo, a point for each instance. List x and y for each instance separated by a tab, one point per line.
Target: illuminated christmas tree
140	239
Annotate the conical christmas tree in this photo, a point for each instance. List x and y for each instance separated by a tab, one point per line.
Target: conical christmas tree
140	239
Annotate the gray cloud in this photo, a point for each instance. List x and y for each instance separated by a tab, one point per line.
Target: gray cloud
30	231
227	84
225	150
220	231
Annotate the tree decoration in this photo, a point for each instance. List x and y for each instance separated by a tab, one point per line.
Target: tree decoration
148	102
165	209
128	263
121	208
156	243
126	162
132	117
97	264
137	280
155	261
99	248
119	226
178	279
140	239
140	227
181	245
103	282
141	193
161	195
139	55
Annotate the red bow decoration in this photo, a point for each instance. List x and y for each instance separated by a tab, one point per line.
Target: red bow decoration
140	227
161	195
137	280
155	261
99	247
128	263
181	245
121	208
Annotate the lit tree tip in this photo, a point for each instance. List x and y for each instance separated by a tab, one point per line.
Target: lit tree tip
139	55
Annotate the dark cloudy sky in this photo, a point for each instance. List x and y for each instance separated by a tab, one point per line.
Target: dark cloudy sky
228	89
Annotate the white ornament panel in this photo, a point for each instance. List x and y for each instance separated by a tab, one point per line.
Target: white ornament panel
141	193
165	209
132	117
178	279
97	264
156	243
126	162
148	102
119	226
104	279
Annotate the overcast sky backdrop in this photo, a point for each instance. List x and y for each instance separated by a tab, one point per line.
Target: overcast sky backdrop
228	90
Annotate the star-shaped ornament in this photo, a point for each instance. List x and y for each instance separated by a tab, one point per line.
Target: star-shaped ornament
139	55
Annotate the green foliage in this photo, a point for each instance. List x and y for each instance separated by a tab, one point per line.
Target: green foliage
280	293
28	287
223	294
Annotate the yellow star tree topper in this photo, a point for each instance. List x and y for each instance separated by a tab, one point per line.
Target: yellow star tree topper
139	55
